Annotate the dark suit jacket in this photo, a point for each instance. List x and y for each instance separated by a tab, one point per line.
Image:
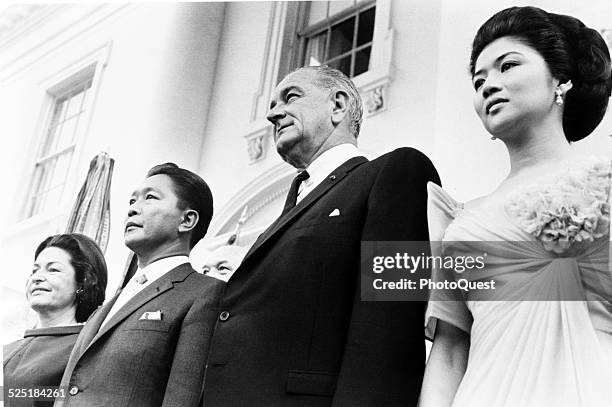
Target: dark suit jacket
293	330
133	362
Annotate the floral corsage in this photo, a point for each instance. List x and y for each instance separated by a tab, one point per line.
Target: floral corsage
573	209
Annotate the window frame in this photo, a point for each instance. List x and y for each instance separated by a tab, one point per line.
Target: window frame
59	93
95	59
305	32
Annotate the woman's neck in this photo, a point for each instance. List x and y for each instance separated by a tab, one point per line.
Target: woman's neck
53	318
536	147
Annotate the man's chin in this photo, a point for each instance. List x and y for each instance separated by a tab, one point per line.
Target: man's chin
133	242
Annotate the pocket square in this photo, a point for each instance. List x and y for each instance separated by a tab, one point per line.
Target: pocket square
151	315
335	212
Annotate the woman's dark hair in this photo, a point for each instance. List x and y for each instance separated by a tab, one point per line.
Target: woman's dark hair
90	270
571	50
192	192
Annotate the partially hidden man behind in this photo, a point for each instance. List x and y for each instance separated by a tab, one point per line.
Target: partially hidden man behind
147	346
292	330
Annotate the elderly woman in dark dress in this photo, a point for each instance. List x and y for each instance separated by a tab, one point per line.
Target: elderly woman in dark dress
67	284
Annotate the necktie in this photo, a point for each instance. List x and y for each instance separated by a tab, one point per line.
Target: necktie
293	191
132	288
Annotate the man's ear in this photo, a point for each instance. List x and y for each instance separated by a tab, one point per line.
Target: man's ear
340	101
189	220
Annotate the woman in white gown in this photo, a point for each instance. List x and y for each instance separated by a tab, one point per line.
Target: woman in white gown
541	81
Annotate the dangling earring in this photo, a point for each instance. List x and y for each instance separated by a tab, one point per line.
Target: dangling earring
559	97
79	293
561	89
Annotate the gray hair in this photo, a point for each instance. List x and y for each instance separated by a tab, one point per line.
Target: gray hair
334	80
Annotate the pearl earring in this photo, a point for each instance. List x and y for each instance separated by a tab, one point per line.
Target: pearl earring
561	89
559	97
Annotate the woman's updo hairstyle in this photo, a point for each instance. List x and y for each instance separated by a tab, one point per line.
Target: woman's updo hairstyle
571	50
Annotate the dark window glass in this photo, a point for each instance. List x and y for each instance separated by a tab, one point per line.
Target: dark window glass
341	38
362	61
366	27
343	64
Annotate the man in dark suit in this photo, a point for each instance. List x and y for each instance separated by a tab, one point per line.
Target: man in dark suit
148	345
293	330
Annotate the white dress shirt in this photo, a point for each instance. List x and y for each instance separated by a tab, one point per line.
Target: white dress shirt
324	164
152	272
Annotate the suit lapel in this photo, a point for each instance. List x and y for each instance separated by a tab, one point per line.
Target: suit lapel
89	331
93	326
331	180
156	288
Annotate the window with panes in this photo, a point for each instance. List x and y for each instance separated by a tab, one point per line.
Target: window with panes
57	148
338	34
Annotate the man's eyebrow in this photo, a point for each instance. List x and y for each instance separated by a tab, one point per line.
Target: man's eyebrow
497	60
283	93
288	89
143	191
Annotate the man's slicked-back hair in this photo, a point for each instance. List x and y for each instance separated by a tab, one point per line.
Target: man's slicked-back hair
334	80
192	192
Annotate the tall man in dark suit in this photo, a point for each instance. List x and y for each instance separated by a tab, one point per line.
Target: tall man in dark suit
148	345
293	330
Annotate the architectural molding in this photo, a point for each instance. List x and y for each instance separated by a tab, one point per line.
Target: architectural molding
267	188
271	56
374	100
31	52
257	142
373	83
17	19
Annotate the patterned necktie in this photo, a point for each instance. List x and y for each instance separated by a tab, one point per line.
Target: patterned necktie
293	191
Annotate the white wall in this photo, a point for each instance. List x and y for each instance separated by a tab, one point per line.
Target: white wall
224	161
409	119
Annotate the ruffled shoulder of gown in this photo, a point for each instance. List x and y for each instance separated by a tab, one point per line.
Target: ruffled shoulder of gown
442	209
573	207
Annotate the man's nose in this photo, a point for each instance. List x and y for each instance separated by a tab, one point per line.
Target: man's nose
274	114
134	209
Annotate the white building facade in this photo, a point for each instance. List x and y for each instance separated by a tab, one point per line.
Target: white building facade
190	83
